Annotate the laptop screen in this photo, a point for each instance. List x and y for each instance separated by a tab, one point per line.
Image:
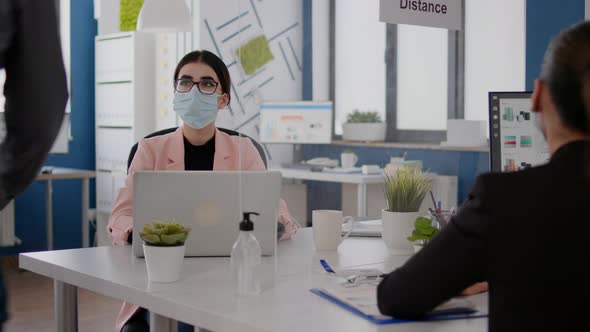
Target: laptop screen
516	142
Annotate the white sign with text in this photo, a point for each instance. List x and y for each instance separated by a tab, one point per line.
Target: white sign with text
445	14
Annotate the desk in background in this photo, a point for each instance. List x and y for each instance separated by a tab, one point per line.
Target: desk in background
58	173
360	180
443	186
204	295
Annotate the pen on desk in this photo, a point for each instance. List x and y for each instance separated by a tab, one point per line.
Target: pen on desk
326	266
433	200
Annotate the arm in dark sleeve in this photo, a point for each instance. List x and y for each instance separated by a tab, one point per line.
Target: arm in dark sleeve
7	19
35	91
452	261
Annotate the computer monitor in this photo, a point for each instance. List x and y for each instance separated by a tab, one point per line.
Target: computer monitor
301	122
516	142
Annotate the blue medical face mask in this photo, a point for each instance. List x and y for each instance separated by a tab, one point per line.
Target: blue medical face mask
196	109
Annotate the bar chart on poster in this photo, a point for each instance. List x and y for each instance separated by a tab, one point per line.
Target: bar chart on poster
517	140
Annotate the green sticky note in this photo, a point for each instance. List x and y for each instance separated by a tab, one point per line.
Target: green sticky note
254	54
128	13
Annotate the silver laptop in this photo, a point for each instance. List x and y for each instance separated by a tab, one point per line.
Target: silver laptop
211	203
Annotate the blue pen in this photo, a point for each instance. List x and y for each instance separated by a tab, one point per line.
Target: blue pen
326	266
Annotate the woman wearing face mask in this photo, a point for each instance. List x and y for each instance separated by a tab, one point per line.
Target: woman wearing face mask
202	88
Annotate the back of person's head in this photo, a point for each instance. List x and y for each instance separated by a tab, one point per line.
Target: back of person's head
566	71
212	61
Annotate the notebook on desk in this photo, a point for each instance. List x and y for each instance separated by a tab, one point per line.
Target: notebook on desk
302	167
340	170
364	228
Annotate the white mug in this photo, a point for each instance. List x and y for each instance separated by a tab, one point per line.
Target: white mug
348	159
327	229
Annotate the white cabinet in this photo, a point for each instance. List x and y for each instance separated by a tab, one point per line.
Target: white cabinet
125	112
114	104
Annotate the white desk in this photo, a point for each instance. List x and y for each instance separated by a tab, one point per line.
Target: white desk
360	180
59	173
204	295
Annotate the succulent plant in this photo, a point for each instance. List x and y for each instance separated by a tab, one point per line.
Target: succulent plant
363	117
164	233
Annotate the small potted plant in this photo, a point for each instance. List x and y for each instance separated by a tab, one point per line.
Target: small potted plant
365	126
163	248
404	192
424	230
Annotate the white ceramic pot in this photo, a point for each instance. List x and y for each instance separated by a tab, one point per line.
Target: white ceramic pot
397	226
164	264
417	247
364	132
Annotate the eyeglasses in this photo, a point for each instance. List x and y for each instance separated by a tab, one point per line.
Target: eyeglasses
207	87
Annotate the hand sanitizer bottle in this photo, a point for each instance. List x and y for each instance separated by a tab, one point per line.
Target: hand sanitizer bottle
245	258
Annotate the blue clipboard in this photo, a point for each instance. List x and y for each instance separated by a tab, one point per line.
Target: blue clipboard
449	314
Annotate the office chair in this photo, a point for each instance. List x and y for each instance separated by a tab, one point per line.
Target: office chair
281	227
169	130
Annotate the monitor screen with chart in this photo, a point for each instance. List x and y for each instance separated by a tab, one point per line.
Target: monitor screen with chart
516	142
300	122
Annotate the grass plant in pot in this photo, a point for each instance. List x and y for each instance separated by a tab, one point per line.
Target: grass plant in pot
424	231
363	126
404	193
163	248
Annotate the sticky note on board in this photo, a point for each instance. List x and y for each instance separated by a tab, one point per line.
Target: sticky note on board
254	54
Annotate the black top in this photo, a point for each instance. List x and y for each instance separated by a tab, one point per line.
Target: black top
199	157
35	90
36	96
523	232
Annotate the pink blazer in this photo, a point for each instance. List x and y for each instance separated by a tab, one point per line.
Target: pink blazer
166	152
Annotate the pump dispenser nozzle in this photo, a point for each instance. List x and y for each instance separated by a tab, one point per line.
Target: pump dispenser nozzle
246	224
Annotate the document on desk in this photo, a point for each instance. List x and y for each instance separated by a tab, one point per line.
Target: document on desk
361	300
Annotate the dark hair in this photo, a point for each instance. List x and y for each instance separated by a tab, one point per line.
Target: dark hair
566	71
212	61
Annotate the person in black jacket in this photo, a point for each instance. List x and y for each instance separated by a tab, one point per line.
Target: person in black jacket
523	232
36	95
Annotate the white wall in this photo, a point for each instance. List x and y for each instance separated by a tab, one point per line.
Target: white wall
422	77
494	51
321	50
360	59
